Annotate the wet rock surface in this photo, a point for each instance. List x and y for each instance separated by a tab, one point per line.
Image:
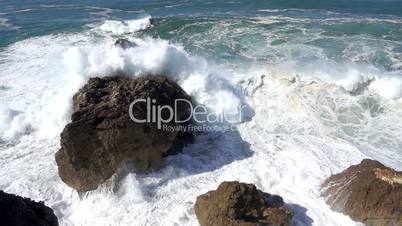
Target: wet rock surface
101	136
240	204
368	192
16	210
124	43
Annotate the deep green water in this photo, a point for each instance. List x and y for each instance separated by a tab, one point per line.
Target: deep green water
23	19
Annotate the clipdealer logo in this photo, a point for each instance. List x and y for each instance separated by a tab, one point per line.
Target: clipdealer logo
199	114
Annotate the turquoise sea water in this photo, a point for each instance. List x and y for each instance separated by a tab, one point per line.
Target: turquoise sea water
230	30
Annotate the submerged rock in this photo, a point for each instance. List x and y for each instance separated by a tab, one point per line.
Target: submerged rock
368	192
240	204
124	43
102	137
16	210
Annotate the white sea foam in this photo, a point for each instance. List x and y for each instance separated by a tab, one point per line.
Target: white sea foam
126	26
6	24
307	125
388	86
352	77
12	123
78	59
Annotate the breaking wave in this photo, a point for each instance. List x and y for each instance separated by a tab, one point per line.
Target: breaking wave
307	123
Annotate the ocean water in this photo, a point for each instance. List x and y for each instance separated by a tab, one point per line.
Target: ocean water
331	95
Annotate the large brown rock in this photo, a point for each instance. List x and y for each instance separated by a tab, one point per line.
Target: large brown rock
240	204
101	136
368	192
16	210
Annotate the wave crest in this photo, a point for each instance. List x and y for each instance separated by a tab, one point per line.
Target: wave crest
126	26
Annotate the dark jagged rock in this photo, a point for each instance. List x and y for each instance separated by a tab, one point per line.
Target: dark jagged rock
16	210
102	137
124	43
240	204
368	192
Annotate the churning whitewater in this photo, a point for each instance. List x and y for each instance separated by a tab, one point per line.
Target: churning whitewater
304	122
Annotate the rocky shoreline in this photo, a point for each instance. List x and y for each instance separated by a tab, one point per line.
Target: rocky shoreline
102	137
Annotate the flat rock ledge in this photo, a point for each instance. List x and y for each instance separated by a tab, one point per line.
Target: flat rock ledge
17	210
102	136
240	204
368	192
